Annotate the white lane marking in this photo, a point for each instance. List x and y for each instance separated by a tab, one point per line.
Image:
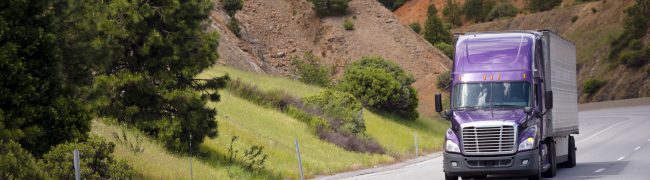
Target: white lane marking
601	131
599	170
621	158
637	148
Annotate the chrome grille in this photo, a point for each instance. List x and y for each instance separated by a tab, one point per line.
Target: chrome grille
488	140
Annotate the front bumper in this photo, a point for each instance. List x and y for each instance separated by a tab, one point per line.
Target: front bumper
491	165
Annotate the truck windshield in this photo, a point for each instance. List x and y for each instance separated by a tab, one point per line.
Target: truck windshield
491	95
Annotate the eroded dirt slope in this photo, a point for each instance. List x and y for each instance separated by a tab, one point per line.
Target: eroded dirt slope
275	31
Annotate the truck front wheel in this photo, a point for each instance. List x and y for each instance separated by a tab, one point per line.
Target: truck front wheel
538	174
448	177
552	170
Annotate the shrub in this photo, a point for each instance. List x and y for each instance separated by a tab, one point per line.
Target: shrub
330	7
17	163
574	19
477	10
416	27
233	25
392	4
594	10
311	71
447	49
452	12
96	161
443	81
340	106
351	142
502	10
592	85
635	59
252	159
635	44
541	5
232	6
348	24
381	85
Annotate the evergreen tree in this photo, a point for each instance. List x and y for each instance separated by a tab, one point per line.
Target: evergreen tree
452	12
160	46
434	30
38	104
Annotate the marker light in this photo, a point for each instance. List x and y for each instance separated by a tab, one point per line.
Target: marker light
524	75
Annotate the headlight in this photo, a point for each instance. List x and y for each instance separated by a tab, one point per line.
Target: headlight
451	146
527	144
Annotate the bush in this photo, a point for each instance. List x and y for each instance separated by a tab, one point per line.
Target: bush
635	44
348	24
381	85
416	27
330	7
232	6
233	25
447	49
96	161
452	12
574	19
443	81
594	10
634	59
340	106
311	71
502	10
17	163
541	5
592	85
392	4
477	10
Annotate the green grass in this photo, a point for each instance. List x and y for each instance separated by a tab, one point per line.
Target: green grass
157	163
276	132
256	125
265	82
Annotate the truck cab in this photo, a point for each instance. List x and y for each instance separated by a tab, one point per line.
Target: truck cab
501	105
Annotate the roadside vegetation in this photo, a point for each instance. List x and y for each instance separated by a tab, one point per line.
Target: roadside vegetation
628	48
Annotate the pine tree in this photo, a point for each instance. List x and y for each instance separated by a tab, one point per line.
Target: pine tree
434	30
150	81
38	105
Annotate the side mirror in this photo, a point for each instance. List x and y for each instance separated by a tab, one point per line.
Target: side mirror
447	114
528	110
548	99
438	102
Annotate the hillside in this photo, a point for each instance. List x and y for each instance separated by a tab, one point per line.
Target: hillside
596	25
276	131
275	31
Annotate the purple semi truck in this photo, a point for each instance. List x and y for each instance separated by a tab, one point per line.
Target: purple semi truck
513	105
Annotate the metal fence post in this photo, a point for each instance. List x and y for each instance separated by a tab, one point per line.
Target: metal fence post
415	139
191	175
302	176
77	174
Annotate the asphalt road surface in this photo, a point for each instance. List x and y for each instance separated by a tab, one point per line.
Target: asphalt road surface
613	143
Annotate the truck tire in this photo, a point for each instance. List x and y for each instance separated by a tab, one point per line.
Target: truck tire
571	162
448	177
551	155
538	174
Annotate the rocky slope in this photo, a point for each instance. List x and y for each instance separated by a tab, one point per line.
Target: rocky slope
596	25
275	31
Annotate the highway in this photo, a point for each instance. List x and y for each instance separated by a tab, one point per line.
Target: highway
613	143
